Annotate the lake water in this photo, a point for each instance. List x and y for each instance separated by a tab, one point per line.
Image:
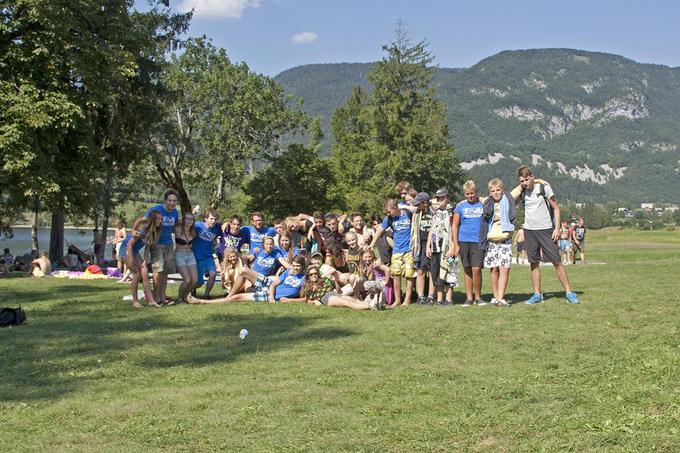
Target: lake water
21	242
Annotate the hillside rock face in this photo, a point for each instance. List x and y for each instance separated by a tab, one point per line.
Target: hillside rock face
598	126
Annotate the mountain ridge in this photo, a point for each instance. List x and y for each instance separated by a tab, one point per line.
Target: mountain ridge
601	126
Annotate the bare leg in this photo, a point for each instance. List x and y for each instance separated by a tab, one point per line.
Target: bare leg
209	285
494	282
246	275
409	291
469	279
396	283
562	275
504	276
187	283
477	282
148	292
134	286
222	300
347	301
536	277
420	283
431	288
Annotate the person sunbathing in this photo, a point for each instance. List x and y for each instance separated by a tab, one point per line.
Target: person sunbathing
40	266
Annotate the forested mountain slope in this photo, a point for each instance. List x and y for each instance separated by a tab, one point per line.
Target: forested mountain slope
599	126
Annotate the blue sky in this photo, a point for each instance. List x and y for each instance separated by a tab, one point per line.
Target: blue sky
274	35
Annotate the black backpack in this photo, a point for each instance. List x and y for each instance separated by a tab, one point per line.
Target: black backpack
12	317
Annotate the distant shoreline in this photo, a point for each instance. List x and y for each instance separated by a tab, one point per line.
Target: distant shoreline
86	228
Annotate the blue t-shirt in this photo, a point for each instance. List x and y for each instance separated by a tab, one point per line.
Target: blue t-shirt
290	285
470	220
170	218
284	253
203	243
234	241
257	236
138	245
265	263
401	226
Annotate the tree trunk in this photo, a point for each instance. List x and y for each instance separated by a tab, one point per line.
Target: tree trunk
219	191
108	189
174	181
57	236
95	251
34	226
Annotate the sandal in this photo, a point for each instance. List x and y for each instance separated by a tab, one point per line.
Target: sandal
154	304
136	304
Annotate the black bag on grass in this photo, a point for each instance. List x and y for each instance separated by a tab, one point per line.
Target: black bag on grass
12	317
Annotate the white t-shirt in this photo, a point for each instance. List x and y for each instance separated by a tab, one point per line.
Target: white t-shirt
536	213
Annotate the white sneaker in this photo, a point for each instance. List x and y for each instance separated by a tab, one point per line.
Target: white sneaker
503	303
494	301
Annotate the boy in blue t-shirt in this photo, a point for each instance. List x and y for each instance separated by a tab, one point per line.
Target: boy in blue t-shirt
467	221
258	232
206	233
399	220
163	253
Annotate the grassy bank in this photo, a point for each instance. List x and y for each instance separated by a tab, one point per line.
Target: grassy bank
89	373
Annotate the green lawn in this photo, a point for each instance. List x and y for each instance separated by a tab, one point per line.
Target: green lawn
87	372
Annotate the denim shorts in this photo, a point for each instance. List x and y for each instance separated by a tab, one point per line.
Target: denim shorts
185	259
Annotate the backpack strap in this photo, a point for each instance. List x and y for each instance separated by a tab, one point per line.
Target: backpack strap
551	211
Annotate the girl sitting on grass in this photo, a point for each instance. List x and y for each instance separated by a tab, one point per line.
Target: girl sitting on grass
321	291
288	250
374	274
232	267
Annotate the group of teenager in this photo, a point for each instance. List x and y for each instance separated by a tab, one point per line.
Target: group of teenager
411	255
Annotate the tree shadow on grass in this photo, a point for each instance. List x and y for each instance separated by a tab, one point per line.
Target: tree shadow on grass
71	348
33	292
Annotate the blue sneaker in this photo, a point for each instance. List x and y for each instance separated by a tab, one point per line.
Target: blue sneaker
536	298
572	298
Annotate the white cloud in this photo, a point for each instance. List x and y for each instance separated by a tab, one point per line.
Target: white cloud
218	8
305	37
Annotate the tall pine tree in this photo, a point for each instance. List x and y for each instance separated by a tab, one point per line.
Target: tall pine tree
398	132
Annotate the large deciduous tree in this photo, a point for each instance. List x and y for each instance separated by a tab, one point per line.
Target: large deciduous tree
66	71
397	132
222	116
299	180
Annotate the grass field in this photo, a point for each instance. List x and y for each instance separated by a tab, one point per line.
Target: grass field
87	372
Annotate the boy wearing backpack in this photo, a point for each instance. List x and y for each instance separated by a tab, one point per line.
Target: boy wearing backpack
578	234
541	232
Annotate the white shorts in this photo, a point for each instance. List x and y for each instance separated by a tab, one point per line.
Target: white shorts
498	254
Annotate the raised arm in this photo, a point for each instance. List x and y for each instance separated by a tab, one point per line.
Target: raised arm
376	236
